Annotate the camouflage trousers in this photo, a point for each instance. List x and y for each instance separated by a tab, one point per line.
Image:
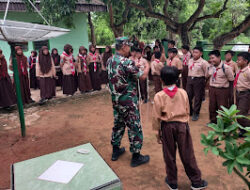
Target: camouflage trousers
127	116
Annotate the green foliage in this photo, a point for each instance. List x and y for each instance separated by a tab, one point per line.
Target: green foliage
103	33
56	11
223	141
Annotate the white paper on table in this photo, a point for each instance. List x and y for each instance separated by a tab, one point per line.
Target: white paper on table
61	171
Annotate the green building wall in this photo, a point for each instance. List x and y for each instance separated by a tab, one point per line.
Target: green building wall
77	37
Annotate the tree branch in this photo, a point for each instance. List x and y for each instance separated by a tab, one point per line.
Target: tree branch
124	15
194	16
222	39
111	15
214	15
165	8
150	5
153	14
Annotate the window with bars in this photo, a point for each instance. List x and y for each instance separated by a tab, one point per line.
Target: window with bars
39	44
23	45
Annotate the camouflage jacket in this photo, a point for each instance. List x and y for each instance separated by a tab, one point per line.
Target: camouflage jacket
123	76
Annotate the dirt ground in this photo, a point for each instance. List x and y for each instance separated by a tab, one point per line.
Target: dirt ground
78	121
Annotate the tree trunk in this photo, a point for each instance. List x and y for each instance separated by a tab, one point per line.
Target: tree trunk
118	31
221	40
184	36
92	29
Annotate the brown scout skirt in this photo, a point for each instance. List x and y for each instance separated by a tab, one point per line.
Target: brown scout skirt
47	88
7	93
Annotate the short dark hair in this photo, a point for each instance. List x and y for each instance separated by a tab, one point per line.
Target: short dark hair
198	48
173	50
139	50
169	75
245	56
215	52
230	52
171	42
157	55
185	47
133	48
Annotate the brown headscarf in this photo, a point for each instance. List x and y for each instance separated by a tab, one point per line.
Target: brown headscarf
90	47
81	49
107	55
3	66
67	48
44	61
21	62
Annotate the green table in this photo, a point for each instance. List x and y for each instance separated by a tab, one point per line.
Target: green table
95	174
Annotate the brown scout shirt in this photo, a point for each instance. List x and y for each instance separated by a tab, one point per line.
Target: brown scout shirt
170	109
176	62
243	82
156	67
186	57
222	78
233	65
197	68
51	73
65	65
141	63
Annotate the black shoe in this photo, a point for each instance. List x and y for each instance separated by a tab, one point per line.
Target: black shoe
199	186
117	153
171	186
139	160
195	117
42	102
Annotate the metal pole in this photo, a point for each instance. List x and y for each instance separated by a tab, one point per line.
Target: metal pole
18	89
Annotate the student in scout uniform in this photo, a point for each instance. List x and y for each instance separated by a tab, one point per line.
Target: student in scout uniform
156	67
68	69
133	54
34	82
220	76
7	93
56	60
163	58
185	58
46	72
123	77
196	82
174	61
228	61
242	85
94	62
22	64
170	119
105	56
141	63
171	44
84	82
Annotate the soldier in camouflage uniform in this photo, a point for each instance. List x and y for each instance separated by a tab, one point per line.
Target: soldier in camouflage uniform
123	75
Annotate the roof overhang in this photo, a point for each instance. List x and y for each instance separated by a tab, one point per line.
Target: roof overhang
81	6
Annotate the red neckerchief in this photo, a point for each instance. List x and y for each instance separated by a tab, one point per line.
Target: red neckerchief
170	63
72	66
215	74
185	59
94	58
157	61
33	61
84	62
236	78
171	93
